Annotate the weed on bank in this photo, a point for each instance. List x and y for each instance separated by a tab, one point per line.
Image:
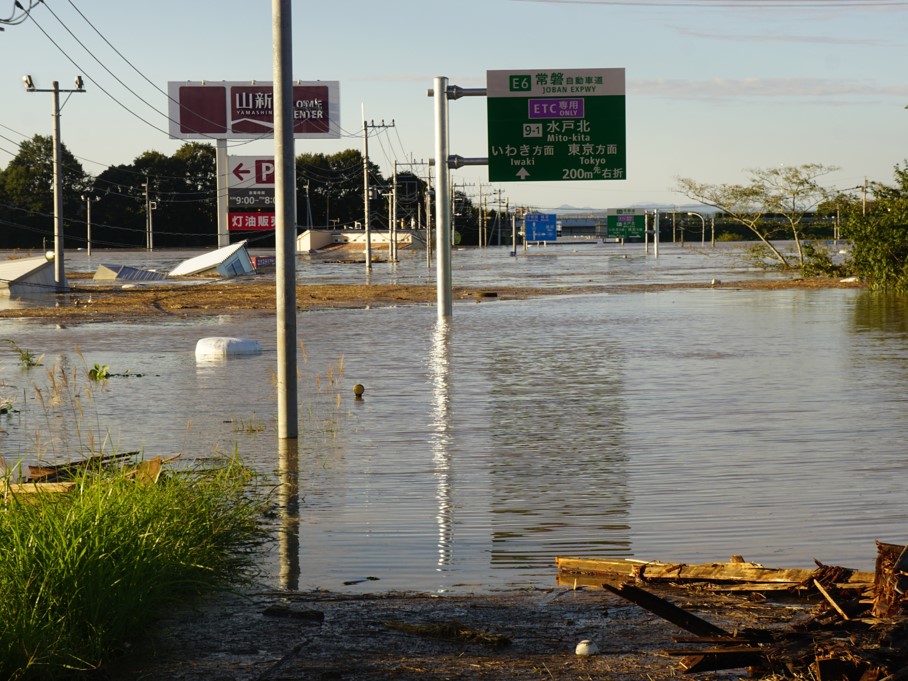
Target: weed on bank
84	571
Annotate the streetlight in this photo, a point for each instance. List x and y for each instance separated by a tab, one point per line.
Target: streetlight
60	284
702	228
88	199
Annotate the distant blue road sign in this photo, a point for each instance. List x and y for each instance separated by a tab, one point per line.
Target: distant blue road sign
541	227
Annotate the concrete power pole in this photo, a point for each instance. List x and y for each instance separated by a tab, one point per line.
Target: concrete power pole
285	221
366	223
60	283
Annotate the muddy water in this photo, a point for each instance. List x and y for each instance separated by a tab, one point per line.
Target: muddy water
680	425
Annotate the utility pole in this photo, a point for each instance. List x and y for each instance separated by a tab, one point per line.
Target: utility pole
366	224
60	284
308	207
419	207
285	221
393	216
88	199
864	200
149	207
482	216
428	218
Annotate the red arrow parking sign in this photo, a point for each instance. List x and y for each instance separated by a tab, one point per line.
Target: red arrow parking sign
250	172
264	171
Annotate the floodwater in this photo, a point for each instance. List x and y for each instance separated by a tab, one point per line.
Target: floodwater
683	425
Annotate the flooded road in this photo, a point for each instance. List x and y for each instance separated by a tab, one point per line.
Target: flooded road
684	425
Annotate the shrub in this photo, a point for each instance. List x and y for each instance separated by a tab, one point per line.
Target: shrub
83	571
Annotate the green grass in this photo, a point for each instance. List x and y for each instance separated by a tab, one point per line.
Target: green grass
83	572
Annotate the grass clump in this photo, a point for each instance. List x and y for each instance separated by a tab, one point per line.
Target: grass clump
83	572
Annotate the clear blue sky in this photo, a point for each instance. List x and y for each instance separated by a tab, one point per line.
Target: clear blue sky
714	87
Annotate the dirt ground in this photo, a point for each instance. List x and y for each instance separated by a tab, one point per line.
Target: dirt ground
94	302
521	634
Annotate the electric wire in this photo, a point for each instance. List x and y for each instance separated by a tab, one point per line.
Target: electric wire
735	4
13	19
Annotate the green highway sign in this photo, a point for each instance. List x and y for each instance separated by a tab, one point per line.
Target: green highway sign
625	223
549	125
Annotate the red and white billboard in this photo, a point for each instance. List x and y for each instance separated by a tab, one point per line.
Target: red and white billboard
245	110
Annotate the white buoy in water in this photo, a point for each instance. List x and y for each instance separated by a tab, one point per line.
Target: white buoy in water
225	346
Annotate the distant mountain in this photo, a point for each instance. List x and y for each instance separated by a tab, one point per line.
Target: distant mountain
691	208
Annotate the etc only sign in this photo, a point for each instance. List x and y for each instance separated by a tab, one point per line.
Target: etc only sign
245	110
552	125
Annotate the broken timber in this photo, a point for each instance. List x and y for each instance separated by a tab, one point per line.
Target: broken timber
729	651
725	576
852	634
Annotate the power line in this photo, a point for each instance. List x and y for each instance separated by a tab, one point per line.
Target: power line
736	4
15	18
111	96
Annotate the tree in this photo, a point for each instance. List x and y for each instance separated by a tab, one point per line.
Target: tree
466	219
334	186
880	238
745	205
118	220
27	188
792	192
783	194
182	190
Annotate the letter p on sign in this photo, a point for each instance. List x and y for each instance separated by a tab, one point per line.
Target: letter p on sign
264	171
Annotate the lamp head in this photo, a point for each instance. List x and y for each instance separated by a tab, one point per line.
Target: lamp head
29	83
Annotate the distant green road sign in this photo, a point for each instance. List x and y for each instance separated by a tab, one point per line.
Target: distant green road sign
625	223
550	125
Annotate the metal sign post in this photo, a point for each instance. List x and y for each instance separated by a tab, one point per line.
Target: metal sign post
444	283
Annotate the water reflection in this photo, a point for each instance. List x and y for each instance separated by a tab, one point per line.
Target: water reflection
439	372
559	474
881	312
289	508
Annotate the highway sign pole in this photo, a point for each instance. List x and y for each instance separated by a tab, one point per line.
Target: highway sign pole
285	221
444	285
656	235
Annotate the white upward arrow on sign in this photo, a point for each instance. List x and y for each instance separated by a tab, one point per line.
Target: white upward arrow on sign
523	174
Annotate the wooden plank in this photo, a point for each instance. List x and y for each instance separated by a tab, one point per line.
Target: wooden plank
720	650
577	580
710	572
16	488
830	600
667	611
717	660
150	470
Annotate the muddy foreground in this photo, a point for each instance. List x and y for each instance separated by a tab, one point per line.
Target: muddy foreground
522	634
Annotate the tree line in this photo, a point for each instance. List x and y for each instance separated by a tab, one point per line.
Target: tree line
773	205
180	191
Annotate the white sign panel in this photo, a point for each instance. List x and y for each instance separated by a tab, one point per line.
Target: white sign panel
250	172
